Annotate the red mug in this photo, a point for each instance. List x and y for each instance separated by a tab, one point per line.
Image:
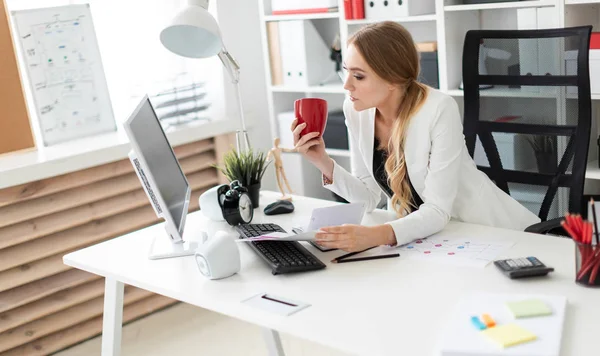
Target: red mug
313	112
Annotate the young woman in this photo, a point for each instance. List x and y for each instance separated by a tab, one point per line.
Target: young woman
407	141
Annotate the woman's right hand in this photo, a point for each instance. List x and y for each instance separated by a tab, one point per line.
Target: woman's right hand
312	147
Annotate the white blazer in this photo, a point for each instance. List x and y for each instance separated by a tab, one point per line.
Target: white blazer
439	167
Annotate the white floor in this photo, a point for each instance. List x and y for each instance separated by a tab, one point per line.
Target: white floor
184	330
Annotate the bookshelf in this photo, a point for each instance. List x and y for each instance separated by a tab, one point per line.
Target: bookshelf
447	26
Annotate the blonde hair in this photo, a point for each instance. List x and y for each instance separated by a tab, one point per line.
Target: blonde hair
390	51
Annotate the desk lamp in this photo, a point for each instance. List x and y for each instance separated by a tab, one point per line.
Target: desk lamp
194	33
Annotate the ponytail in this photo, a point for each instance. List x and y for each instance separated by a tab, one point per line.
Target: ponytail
395	166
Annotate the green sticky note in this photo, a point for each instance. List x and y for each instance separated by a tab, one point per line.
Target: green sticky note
508	335
528	308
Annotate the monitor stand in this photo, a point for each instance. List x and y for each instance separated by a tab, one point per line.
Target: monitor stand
162	247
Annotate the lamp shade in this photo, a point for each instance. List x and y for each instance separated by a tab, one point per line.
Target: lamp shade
193	33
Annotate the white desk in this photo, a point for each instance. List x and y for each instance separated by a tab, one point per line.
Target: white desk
382	307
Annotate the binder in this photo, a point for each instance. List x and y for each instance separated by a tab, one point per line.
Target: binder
304	54
377	9
286	136
537	56
274	53
348	10
426	46
358	9
528	53
548	59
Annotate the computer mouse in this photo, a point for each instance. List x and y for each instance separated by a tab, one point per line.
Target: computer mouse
279	207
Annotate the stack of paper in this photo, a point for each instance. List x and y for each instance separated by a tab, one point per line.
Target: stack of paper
528	335
282	236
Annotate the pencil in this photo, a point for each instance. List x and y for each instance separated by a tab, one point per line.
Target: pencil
594	220
335	260
366	258
569	230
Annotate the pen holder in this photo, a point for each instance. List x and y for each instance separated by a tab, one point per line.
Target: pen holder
587	264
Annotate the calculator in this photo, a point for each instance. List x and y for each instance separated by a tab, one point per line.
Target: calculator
523	267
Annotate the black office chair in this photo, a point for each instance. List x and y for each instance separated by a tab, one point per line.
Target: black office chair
527	117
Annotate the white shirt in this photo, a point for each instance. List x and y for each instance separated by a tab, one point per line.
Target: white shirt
439	167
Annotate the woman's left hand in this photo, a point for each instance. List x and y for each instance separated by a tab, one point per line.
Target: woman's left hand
353	238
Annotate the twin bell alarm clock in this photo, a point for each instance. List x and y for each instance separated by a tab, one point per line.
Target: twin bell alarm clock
227	202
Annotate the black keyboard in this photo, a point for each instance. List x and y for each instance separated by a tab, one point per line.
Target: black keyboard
283	256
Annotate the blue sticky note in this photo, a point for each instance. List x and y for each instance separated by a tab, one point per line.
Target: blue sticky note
478	324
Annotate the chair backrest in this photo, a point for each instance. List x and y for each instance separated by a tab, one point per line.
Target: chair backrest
527	113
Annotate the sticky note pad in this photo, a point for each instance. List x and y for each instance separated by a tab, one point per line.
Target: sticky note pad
528	308
508	335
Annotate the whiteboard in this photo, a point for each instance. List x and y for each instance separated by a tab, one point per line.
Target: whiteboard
63	66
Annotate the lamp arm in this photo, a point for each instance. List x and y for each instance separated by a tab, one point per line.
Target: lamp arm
233	69
231	65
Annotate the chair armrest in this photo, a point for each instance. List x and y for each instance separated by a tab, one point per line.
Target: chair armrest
552	227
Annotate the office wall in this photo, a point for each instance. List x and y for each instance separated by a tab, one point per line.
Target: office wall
240	26
45	305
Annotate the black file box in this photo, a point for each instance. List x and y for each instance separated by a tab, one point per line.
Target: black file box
336	134
429	69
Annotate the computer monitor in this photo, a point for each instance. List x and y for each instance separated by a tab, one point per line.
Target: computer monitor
161	177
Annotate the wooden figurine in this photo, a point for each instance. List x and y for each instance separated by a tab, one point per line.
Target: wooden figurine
279	172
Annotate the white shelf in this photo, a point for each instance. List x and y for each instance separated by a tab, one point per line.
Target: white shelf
421	18
514	93
71	156
330	151
322	89
504	92
325	15
337	152
580	2
501	5
592	171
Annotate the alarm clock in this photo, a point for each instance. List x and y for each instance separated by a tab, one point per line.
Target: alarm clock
236	205
228	202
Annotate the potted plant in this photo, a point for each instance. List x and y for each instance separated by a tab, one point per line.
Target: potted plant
544	148
247	168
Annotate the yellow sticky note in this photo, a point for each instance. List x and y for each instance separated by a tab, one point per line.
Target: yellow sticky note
508	335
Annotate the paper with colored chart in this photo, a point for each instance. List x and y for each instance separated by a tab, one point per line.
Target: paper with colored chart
455	250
